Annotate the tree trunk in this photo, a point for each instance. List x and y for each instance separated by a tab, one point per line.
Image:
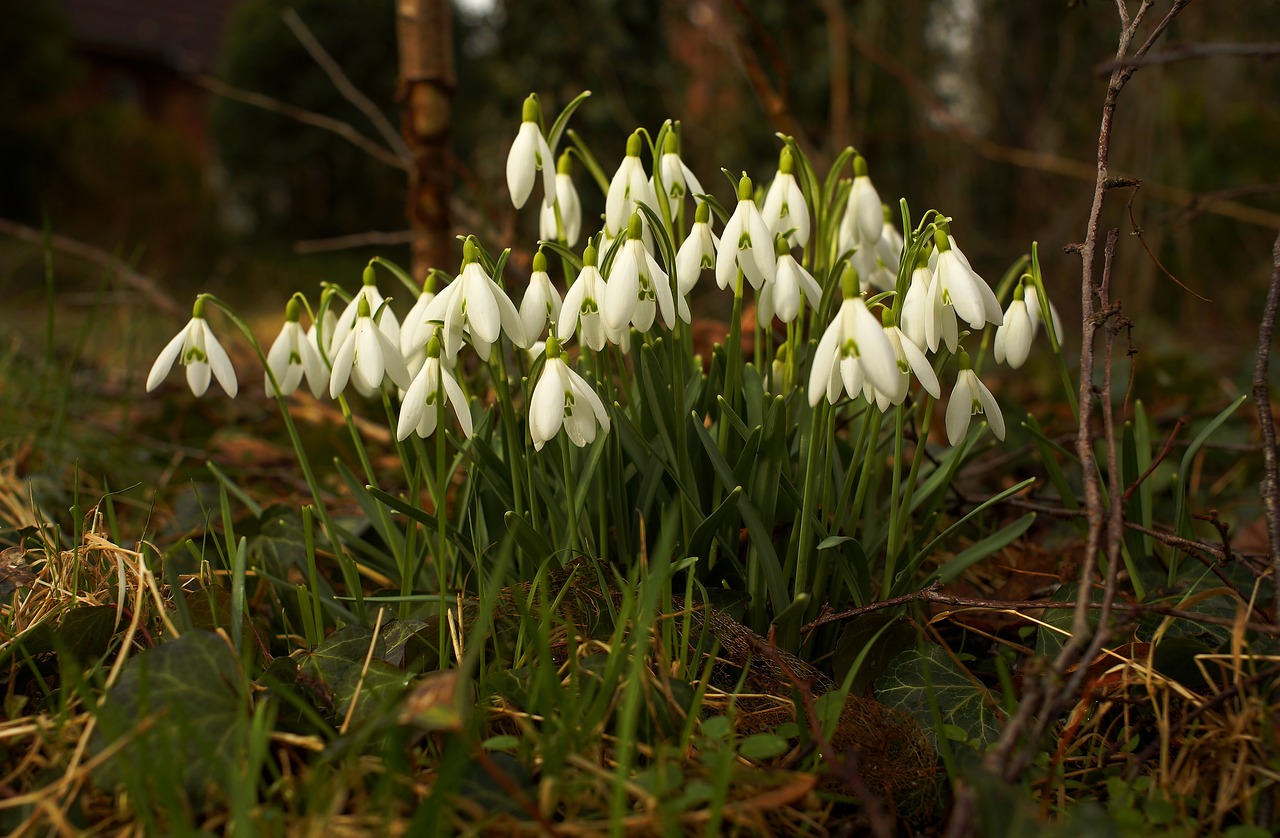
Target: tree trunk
427	84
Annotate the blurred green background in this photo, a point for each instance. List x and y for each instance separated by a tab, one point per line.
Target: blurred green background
985	109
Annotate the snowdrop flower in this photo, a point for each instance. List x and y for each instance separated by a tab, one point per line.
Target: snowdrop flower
563	399
910	359
638	286
785	210
1033	309
863	217
569	205
956	284
629	187
292	355
433	387
196	348
677	179
321	331
925	325
368	353
416	330
971	396
582	304
529	154
698	252
746	243
541	301
383	315
1013	338
475	305
781	298
854	349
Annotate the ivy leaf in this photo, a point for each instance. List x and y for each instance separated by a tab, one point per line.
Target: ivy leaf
918	680
183	712
338	665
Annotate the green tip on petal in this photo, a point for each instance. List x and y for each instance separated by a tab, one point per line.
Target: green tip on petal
745	190
887	318
362	308
553	348
885	211
293	310
589	256
671	143
539	262
532	111
633	143
785	164
702	214
859	166
849	283
940	240
370	275
564	166
963	358
433	347
429	285
1020	290
197	308
781	357
634	227
780	247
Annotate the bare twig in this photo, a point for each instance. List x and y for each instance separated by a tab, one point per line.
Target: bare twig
147	286
941	118
372	237
348	90
306	117
1270	489
1193	52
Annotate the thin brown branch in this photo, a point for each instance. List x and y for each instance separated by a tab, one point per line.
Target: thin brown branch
348	90
306	117
1193	52
933	595
141	283
942	120
1270	489
370	238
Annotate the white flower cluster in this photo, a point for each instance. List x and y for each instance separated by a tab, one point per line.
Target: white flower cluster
863	353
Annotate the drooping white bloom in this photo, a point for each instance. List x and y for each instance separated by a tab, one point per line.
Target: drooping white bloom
529	154
366	356
677	179
746	243
1013	338
432	388
570	207
916	307
863	216
291	356
1033	309
971	396
910	359
785	209
383	315
562	398
474	305
196	348
853	349
582	304
698	252
781	298
415	331
638	287
541	303
956	284
630	186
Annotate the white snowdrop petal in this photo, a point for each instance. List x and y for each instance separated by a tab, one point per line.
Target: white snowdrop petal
164	361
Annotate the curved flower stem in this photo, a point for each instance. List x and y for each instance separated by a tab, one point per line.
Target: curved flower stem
498	369
897	504
822	418
572	537
350	575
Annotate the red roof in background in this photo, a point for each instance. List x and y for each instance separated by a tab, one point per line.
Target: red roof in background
184	34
